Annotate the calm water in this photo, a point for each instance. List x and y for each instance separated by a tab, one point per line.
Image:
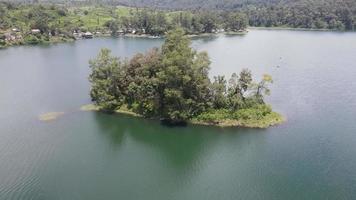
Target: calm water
90	156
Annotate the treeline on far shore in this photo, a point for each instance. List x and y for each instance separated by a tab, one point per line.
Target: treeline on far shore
311	14
24	23
36	23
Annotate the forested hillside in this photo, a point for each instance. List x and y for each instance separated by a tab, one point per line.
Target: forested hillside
320	14
310	14
48	23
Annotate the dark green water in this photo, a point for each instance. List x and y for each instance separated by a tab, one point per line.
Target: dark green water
90	156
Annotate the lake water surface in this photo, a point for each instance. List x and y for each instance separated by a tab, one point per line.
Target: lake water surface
90	156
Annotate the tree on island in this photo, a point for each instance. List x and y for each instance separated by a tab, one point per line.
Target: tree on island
172	83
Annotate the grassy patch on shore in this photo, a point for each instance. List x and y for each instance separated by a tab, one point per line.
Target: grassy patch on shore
249	118
257	117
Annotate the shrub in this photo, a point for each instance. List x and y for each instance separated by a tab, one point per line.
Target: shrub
32	39
62	12
254	113
2	41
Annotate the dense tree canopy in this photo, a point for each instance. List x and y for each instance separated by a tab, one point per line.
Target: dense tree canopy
62	21
318	14
321	14
171	83
58	22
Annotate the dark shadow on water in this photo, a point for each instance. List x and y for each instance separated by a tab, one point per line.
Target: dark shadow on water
181	145
173	124
110	128
205	38
235	35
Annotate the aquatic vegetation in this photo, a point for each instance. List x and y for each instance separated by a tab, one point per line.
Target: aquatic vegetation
122	110
89	107
50	116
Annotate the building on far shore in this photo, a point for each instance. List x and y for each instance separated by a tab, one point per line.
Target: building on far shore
120	32
12	37
87	35
35	31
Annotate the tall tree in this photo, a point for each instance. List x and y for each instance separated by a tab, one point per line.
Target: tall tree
107	79
179	78
236	22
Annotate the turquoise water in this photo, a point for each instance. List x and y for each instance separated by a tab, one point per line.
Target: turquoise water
88	155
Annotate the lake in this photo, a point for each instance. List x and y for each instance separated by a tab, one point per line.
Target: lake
89	156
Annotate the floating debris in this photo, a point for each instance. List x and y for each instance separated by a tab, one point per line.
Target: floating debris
50	116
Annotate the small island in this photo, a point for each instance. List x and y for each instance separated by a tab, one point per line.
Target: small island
172	84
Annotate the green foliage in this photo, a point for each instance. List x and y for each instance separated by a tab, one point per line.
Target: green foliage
236	21
59	20
172	83
218	90
260	116
255	112
209	21
39	18
32	39
142	84
113	26
232	15
322	14
2	40
184	77
3	13
145	21
262	88
105	79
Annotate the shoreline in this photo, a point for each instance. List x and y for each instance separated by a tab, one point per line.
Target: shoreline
295	29
273	119
58	40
